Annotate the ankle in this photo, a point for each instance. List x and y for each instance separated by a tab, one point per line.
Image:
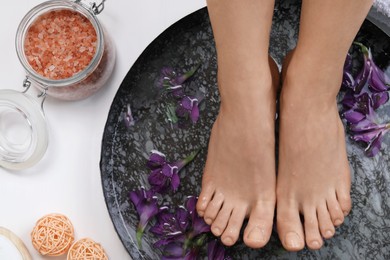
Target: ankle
246	90
306	82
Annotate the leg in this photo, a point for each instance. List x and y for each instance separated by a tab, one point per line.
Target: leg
314	176
239	176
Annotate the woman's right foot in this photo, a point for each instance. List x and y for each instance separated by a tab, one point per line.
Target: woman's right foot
239	176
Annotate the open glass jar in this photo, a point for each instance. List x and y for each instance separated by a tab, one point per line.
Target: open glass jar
69	67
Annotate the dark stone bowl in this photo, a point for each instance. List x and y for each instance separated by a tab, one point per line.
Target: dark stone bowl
366	231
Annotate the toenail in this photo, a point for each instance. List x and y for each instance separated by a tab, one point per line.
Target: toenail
328	233
292	240
338	222
256	235
228	241
315	244
216	231
346	213
208	221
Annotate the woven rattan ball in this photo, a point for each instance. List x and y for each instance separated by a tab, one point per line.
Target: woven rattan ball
52	235
86	249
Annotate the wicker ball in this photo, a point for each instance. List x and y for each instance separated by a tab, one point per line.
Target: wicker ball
86	249
52	235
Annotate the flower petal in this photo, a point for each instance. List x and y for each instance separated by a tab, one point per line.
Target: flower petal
348	62
183	218
375	146
195	114
178	92
156	160
348	100
180	79
136	197
129	119
366	137
353	116
149	210
158	181
362	77
348	80
168	170
363	126
174	250
191	205
186	103
175	181
181	111
379	99
377	81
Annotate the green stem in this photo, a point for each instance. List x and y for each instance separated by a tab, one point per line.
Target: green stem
363	48
139	234
189	158
191	72
171	114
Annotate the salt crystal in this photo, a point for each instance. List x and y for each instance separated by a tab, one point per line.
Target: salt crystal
51	44
68	58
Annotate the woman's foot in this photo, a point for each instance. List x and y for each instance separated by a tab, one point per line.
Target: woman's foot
239	176
313	173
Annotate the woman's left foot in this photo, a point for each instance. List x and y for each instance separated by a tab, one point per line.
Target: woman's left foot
313	174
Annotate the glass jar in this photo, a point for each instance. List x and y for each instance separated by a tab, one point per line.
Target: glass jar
23	130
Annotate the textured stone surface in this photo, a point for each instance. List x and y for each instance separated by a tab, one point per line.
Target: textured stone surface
366	231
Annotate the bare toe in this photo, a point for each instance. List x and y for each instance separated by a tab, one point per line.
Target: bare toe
232	231
259	228
335	211
204	198
344	199
221	221
290	228
325	222
312	232
213	208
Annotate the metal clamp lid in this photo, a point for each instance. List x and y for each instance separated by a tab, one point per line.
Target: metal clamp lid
96	8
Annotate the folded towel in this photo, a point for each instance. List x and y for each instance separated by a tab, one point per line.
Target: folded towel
382	6
380	15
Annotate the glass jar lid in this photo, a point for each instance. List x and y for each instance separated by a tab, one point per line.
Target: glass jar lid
23	130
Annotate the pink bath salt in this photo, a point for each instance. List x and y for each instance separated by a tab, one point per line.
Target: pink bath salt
60	44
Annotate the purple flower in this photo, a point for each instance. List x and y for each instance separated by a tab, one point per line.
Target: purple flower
128	118
371	134
371	74
216	251
145	203
165	175
379	99
188	107
198	224
350	100
171	227
182	233
358	108
176	251
363	125
172	82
